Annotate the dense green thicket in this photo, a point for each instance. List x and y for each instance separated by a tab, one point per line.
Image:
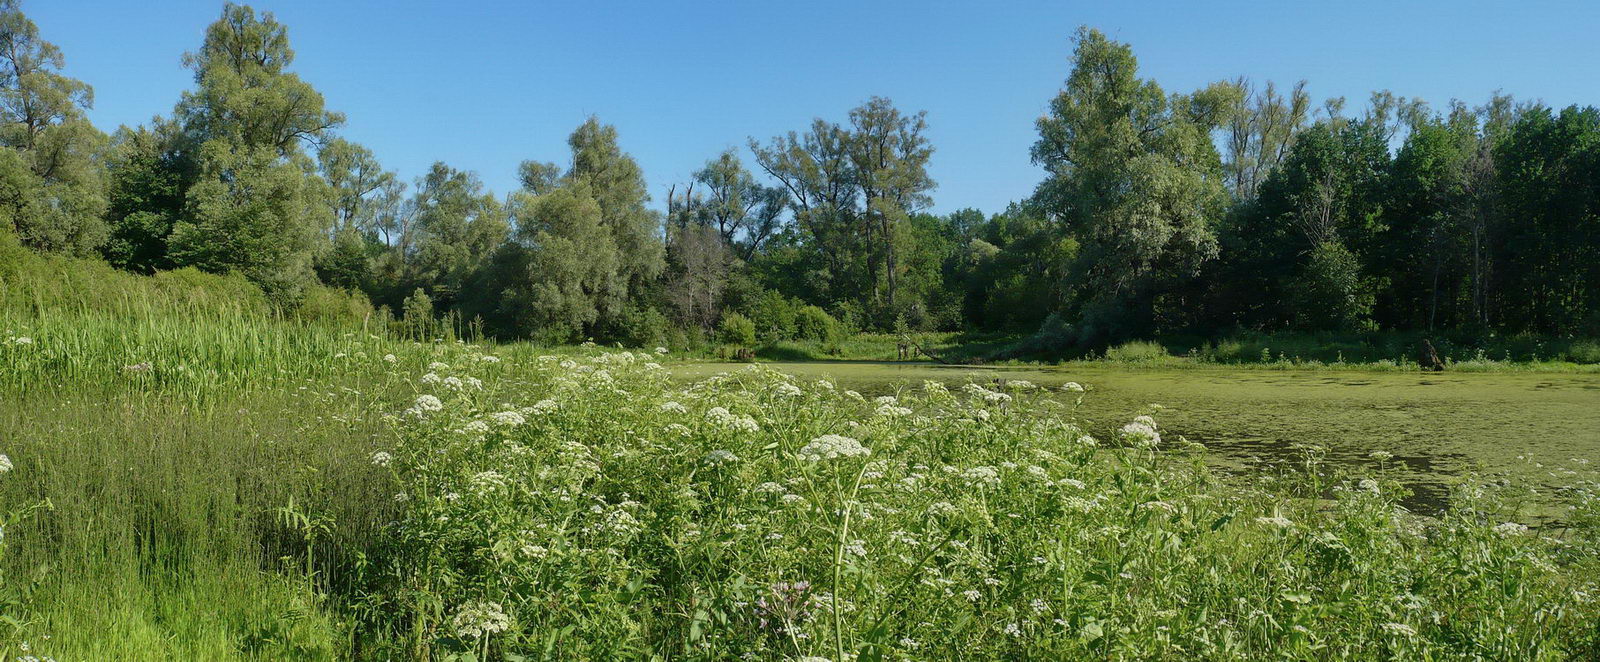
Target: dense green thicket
1231	209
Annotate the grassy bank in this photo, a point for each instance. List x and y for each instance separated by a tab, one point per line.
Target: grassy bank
1378	351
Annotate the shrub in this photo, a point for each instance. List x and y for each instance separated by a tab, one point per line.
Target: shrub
813	323
774	317
323	304
1584	351
737	330
1137	351
643	326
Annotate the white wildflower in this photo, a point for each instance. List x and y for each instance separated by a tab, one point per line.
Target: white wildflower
720	457
479	619
1275	520
428	403
832	446
1399	629
1509	529
507	418
1141	433
379	458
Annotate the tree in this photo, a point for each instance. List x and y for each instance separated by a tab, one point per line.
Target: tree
852	188
365	196
55	195
573	273
744	213
145	198
617	185
1260	130
699	263
1548	250
453	230
1134	177
251	213
586	246
256	205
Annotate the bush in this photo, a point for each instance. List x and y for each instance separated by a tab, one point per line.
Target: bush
1584	351
813	323
323	304
1138	351
774	317
643	326
737	330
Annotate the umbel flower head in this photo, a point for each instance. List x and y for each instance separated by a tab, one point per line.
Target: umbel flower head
832	447
1141	433
480	618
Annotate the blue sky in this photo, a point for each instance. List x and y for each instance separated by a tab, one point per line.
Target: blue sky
485	85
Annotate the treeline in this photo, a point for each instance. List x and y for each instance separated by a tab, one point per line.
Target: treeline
1235	207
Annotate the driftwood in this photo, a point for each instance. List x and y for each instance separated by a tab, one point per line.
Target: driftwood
1428	358
907	343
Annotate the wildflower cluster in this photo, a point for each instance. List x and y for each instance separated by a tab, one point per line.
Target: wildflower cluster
750	515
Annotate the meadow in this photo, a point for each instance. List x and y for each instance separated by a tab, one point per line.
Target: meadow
238	486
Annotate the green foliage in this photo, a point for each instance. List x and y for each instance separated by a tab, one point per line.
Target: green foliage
572	275
417	316
1331	293
1136	178
643	327
52	181
1138	351
813	323
736	330
252	214
773	315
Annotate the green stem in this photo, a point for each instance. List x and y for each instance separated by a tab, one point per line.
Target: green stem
838	566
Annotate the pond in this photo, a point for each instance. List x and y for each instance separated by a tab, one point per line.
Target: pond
1535	427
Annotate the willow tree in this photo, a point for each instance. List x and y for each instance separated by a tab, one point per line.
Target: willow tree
853	189
52	182
256	205
586	247
1135	178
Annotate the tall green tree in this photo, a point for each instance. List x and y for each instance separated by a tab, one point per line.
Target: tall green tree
571	275
724	196
1134	176
852	189
586	249
454	228
147	184
246	125
617	185
52	179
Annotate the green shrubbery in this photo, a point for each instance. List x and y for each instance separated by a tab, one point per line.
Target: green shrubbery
757	514
736	330
589	504
1138	351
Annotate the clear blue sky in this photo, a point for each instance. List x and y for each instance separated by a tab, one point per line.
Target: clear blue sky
484	85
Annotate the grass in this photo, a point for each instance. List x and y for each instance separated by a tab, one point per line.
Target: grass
1383	351
233	509
194	474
